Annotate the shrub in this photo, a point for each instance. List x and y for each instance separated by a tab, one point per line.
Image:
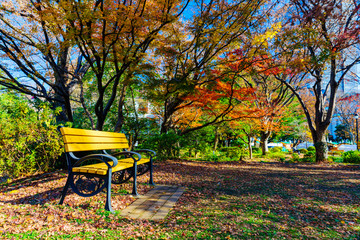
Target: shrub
309	156
29	143
351	157
217	156
303	150
311	148
335	159
276	149
256	150
166	145
280	156
295	157
235	153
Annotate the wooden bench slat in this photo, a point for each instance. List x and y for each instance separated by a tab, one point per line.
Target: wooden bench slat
101	168
84	132
75	147
92	139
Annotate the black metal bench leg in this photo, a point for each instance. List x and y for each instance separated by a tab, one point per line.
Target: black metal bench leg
66	187
151	181
134	192
108	194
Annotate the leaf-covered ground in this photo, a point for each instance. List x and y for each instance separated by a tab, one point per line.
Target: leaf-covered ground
222	201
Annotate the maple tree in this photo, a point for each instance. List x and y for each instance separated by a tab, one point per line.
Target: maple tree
213	103
271	97
264	101
192	50
318	42
250	100
244	90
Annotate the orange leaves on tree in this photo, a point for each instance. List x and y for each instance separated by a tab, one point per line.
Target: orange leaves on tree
216	101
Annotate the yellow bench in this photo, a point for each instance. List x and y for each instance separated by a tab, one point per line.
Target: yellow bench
91	173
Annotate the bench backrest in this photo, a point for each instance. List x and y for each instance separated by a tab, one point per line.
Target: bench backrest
77	140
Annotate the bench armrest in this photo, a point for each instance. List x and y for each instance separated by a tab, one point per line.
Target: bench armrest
100	157
148	151
129	153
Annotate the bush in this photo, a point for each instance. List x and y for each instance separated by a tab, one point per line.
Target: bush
280	156
276	149
311	149
217	157
29	143
351	157
335	159
256	150
303	150
295	157
235	153
310	156
166	145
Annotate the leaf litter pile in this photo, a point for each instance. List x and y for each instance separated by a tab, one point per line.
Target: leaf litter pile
228	200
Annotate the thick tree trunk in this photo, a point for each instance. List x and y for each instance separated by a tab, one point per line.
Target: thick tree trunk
170	107
264	141
320	145
62	96
321	151
65	115
100	123
63	85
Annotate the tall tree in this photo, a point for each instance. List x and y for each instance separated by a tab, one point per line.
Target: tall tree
271	97
38	56
320	38
193	47
118	33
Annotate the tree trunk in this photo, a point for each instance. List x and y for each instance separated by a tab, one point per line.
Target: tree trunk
120	118
170	107
249	147
320	145
165	125
100	122
65	114
216	140
264	141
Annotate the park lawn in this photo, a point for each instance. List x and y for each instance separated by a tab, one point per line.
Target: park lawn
226	200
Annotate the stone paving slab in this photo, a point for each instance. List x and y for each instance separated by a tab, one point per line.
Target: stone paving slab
155	204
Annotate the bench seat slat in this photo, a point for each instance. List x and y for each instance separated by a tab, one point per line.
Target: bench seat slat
101	168
92	139
84	132
78	147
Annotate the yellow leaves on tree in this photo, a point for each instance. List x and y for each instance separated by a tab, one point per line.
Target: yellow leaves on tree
269	34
